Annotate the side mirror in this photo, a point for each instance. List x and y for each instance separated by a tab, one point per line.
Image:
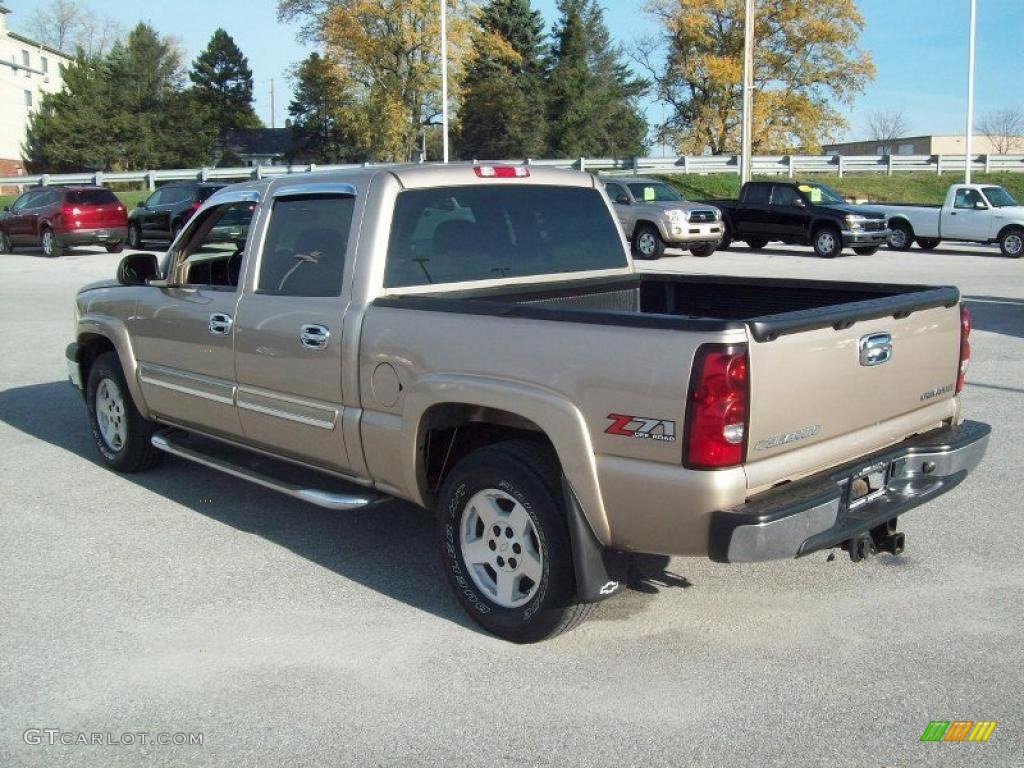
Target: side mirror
137	269
140	204
799	202
980	205
7	209
622	200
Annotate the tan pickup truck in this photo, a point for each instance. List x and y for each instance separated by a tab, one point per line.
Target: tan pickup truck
474	339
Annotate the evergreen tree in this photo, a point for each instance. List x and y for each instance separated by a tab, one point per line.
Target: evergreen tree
502	114
222	81
591	93
318	112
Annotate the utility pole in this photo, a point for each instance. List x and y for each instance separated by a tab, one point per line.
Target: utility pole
748	90
273	115
444	80
970	100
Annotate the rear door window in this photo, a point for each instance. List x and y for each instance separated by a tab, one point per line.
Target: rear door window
482	232
91	197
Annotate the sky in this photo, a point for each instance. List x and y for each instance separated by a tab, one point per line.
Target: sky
919	48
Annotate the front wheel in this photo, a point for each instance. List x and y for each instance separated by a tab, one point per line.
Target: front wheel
928	243
828	243
1012	243
757	243
901	236
866	250
121	435
114	247
505	542
705	249
51	247
647	243
5	243
134	237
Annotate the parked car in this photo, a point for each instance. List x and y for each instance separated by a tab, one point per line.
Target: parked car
474	339
654	216
976	213
56	218
801	213
162	215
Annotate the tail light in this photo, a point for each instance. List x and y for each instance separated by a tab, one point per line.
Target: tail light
502	171
718	411
965	347
70	214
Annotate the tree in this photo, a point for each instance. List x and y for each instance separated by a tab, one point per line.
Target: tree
69	25
806	63
591	93
1004	128
222	82
319	112
502	112
885	126
388	59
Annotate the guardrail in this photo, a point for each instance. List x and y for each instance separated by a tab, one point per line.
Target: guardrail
765	165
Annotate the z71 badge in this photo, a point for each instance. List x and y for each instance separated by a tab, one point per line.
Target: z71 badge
642	428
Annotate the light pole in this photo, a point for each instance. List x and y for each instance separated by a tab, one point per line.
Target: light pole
748	90
970	100
444	80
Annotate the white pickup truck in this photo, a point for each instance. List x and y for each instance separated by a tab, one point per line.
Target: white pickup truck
974	213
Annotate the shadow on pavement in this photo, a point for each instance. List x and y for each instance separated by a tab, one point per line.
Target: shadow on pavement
997	314
389	548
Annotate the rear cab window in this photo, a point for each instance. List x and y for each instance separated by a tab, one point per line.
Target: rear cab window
470	233
756	193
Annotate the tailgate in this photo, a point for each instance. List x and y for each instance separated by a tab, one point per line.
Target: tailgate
106	215
855	390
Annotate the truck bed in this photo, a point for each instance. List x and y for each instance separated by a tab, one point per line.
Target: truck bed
769	307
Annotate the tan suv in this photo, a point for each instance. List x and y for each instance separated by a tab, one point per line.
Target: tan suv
474	339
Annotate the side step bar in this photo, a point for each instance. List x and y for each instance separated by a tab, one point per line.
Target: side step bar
305	484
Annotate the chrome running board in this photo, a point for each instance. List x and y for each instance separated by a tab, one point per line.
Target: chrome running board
299	483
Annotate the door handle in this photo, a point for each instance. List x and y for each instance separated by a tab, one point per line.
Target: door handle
220	324
314	336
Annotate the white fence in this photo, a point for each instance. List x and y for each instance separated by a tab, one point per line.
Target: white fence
768	165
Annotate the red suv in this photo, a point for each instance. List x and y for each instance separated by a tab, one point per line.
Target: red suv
60	217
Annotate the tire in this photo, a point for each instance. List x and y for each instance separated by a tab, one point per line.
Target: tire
757	243
123	436
114	247
901	236
647	243
866	250
510	487
51	247
134	237
702	251
5	243
1011	243
726	243
928	243
827	242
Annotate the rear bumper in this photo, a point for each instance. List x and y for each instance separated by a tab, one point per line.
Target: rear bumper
815	513
858	237
98	236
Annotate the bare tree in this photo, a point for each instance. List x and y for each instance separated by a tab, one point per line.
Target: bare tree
1004	128
887	125
69	24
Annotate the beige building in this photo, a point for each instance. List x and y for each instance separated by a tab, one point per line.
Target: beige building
918	145
27	70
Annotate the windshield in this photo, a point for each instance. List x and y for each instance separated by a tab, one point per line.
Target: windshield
646	192
820	193
998	197
483	232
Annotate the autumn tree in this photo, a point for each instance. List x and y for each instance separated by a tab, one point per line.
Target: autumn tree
806	65
222	84
1004	128
591	92
885	126
502	111
318	112
389	63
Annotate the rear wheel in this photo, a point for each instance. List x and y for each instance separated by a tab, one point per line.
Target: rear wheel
705	249
647	243
505	542
901	236
828	243
121	435
757	243
866	250
1012	243
134	237
5	243
114	247
928	243
51	248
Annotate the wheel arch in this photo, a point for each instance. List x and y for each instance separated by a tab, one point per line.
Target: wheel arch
99	334
900	219
653	224
1014	226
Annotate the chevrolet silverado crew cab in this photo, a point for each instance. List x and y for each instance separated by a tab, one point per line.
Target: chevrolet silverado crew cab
474	339
977	213
801	213
654	217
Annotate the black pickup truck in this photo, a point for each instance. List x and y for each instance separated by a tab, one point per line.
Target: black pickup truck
800	213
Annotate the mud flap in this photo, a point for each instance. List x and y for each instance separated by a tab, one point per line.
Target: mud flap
600	571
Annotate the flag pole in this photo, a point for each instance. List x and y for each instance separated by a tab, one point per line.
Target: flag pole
748	91
968	153
444	80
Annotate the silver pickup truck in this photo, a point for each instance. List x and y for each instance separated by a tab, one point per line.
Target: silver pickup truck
474	339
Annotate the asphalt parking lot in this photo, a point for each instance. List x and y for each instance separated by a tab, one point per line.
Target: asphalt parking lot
185	601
